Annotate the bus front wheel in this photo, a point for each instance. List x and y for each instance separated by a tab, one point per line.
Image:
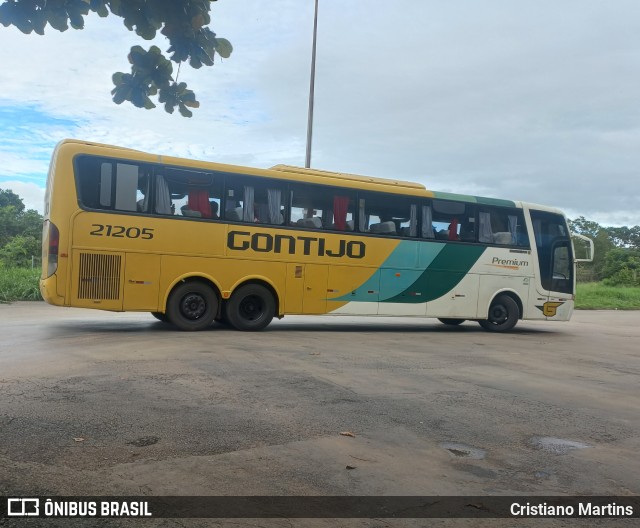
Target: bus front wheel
503	315
250	308
192	306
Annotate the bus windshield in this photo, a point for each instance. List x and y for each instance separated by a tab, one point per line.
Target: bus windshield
554	251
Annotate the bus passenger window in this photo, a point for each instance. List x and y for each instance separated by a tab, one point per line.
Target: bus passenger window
189	193
215	207
427	222
163	203
105	184
253	201
504	227
388	215
453	221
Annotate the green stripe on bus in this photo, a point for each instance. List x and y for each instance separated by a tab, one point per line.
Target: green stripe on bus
443	274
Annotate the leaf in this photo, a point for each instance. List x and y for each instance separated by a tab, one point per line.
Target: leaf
197	21
118	78
223	48
191	104
184	111
121	94
58	21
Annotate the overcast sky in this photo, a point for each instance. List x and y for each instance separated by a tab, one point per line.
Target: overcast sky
528	100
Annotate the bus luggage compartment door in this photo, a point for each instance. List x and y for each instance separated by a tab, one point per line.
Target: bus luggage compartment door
314	298
306	289
141	284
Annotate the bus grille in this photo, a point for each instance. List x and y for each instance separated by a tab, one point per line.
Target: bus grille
99	276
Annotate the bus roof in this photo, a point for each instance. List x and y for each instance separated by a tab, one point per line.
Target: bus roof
345	176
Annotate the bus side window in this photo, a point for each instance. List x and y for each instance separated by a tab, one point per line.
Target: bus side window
448	219
503	227
163	201
310	207
105	187
88	181
388	215
188	193
426	228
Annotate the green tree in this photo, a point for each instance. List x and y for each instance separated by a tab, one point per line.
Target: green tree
622	267
625	237
20	230
19	250
9	223
585	227
183	22
602	244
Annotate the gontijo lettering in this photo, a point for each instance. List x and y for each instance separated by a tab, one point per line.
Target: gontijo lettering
267	243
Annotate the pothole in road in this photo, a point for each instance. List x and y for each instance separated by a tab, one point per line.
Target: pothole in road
556	446
464	451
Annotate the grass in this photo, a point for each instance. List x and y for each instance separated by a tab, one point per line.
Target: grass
19	284
597	296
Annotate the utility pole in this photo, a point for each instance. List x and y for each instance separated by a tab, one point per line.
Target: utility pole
307	162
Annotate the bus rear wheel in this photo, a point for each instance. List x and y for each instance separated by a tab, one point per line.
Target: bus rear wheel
450	322
503	315
192	306
250	308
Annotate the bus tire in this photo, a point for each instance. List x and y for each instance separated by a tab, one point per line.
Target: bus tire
250	308
192	306
160	316
451	322
503	315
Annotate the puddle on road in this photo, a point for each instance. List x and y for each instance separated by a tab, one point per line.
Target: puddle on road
556	446
464	451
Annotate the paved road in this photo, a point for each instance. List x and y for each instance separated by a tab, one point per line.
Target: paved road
104	403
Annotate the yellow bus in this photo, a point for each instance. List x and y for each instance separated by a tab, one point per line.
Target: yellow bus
194	242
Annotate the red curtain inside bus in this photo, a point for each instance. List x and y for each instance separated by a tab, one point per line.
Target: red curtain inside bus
340	208
199	201
453	229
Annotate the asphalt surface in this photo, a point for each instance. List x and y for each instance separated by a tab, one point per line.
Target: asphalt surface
121	404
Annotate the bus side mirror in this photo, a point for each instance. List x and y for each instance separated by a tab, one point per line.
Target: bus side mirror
587	243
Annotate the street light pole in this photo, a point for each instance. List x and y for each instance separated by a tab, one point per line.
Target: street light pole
307	162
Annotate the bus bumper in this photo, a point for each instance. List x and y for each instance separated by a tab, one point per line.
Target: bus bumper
48	290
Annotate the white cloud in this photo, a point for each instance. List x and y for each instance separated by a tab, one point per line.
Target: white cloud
32	194
534	101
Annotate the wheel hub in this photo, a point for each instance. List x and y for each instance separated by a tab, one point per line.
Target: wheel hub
251	307
193	306
498	314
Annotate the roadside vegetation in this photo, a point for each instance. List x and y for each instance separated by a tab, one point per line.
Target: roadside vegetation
610	282
19	284
598	296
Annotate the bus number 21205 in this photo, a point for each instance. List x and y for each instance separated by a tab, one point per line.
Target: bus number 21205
121	231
